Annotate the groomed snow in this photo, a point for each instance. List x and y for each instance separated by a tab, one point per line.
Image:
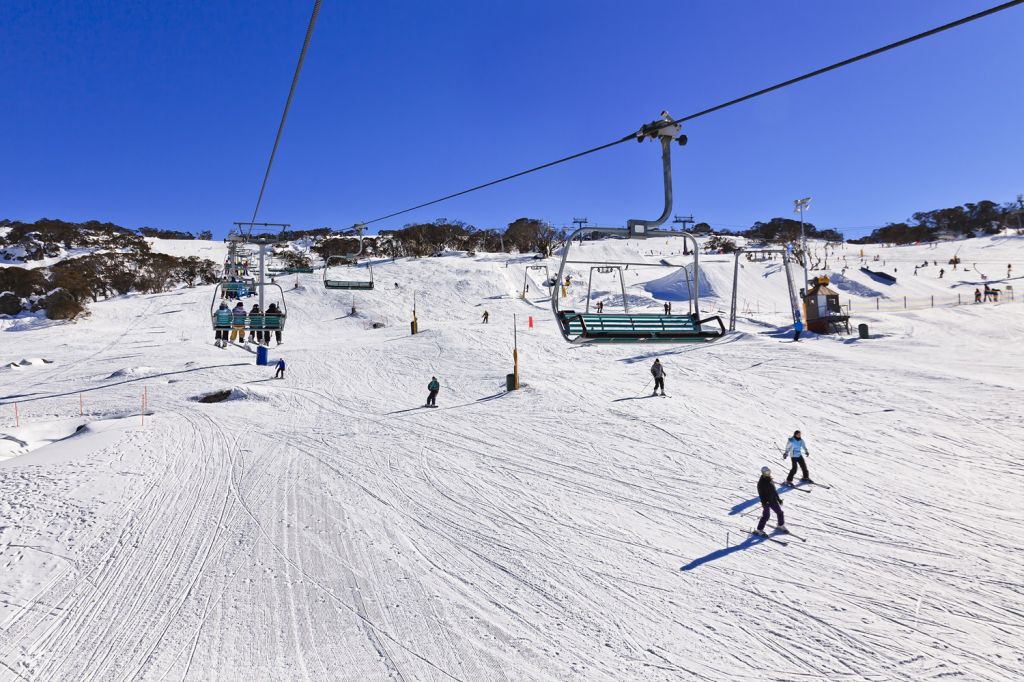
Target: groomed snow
323	527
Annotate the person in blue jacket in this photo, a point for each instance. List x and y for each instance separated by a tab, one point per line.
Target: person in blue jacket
798	327
433	387
796	450
279	374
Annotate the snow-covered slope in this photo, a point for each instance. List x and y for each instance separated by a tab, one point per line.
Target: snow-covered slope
325	527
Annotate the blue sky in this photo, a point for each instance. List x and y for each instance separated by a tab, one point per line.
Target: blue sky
163	113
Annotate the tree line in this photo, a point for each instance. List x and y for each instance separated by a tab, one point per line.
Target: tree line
119	261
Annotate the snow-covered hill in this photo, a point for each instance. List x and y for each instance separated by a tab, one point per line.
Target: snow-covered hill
324	527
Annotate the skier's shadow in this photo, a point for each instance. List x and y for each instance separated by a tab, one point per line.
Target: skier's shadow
719	553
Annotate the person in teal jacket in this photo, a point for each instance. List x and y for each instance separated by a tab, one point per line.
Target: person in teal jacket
221	325
433	387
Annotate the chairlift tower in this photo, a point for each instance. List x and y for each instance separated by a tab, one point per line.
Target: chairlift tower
684	220
263	239
580	223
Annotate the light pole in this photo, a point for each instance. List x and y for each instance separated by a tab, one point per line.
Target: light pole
1020	207
798	207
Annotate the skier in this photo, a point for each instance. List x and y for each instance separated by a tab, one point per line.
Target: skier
222	325
279	374
770	502
798	327
796	449
658	372
433	387
255	324
600	307
274	312
487	316
238	323
977	295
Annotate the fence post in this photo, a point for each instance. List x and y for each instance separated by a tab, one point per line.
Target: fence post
81	406
958	299
876	304
904	302
17	419
933	300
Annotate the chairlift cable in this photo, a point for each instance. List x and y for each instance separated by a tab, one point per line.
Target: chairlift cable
288	104
718	107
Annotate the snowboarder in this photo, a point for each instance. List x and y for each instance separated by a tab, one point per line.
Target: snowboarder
222	325
798	327
487	316
279	374
658	372
770	502
433	387
796	449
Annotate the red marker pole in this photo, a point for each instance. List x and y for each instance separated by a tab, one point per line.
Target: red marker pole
531	321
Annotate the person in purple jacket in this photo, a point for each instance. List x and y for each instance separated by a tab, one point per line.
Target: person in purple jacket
770	502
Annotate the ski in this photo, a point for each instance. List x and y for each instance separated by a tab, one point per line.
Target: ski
795	537
772	538
820	485
790	486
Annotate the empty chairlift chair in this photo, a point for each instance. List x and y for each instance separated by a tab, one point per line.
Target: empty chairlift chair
628	327
344	271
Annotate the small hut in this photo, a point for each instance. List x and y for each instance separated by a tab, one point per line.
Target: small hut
824	314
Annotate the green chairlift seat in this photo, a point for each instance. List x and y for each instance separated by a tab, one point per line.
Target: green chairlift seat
628	328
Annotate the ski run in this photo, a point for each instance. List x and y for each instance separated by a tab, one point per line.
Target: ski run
324	526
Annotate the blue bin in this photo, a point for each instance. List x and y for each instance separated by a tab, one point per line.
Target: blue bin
261	355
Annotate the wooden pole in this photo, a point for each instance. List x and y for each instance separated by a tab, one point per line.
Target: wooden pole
81	406
17	419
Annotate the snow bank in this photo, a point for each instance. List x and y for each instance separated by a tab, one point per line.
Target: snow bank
29	362
132	372
20	440
678	286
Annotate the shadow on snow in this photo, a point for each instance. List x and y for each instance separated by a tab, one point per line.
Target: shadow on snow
719	553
